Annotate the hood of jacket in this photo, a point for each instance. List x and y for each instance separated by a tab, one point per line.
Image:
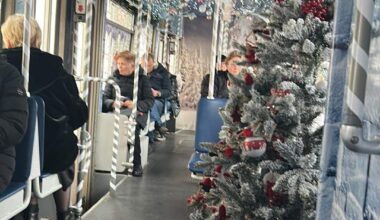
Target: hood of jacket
44	68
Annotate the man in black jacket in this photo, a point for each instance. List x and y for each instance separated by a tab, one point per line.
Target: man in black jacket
220	82
159	79
13	119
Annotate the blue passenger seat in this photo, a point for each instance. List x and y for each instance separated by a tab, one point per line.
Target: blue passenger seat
17	196
208	126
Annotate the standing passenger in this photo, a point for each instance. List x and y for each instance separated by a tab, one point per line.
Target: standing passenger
124	77
13	119
64	109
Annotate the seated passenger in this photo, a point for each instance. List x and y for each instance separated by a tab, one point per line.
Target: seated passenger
13	119
231	66
124	77
220	81
65	111
160	82
234	63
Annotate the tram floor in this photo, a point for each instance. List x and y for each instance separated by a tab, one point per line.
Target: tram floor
162	191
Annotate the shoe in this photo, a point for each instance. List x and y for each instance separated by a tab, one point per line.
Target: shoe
137	171
159	137
162	130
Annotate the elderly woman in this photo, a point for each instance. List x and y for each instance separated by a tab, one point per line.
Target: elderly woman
124	77
65	111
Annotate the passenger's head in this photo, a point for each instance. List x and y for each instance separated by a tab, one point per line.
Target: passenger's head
13	30
125	63
222	66
233	62
149	65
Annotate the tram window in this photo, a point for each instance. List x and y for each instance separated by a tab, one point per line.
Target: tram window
161	51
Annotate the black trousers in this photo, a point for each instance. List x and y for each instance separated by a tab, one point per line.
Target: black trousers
137	151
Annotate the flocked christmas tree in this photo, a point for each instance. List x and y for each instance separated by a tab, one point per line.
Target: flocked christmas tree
267	162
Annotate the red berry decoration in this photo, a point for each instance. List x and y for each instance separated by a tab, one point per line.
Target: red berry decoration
248	79
316	8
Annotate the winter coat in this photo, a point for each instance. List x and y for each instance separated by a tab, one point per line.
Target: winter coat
220	85
159	79
173	98
64	109
13	119
144	97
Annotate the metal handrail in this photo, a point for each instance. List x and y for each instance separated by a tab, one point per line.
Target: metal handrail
357	134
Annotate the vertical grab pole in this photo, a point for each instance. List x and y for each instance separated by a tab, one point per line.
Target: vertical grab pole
26	43
353	127
220	37
148	18
132	118
75	50
177	40
213	49
115	147
165	55
83	134
225	36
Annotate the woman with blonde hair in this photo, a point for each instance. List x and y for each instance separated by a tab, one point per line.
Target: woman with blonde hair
64	109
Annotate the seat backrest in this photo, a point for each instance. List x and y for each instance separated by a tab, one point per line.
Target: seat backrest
41	127
24	150
209	122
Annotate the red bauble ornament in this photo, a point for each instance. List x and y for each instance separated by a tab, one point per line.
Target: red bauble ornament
190	200
228	152
236	116
207	184
218	169
279	92
247	132
248	79
269	181
254	146
222	212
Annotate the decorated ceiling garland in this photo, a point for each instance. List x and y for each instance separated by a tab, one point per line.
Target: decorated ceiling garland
166	9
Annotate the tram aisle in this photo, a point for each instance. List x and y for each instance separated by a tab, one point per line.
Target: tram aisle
162	191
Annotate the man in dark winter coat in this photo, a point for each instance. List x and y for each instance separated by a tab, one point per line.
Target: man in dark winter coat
13	119
124	77
220	82
161	86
